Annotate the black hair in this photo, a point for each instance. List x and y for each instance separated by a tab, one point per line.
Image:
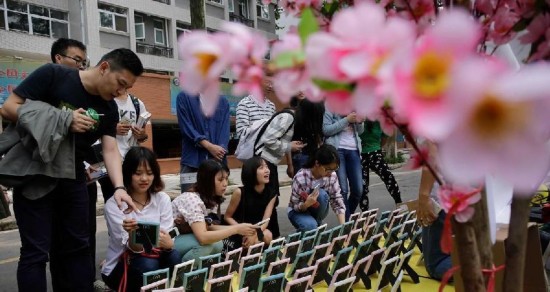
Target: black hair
206	185
135	157
123	59
294	101
60	46
326	154
309	116
249	174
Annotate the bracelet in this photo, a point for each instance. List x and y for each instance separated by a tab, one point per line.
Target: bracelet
119	188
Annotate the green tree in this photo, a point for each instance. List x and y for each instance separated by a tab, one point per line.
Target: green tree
197	14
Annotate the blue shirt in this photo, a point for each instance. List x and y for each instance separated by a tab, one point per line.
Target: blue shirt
195	127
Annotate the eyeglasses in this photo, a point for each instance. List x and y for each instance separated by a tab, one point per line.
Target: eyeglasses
83	64
330	170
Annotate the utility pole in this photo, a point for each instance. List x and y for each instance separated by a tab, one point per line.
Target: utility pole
197	14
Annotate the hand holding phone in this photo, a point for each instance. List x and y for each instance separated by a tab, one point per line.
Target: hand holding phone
262	222
174	232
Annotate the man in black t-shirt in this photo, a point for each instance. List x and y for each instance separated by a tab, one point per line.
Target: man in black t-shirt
66	207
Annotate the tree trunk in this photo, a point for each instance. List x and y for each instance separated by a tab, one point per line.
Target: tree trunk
482	231
516	244
197	14
470	265
390	148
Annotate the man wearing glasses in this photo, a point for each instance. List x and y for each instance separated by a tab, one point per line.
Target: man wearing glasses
70	53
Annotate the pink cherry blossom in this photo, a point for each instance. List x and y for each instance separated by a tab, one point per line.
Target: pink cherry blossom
424	77
418	159
247	51
360	41
464	197
204	61
503	130
288	82
295	7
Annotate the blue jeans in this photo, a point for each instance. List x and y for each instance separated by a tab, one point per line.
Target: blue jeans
190	249
186	169
350	172
138	266
437	262
60	218
298	161
313	217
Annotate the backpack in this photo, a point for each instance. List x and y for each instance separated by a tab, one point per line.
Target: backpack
135	101
247	146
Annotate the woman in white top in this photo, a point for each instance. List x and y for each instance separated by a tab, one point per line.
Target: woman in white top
198	235
141	174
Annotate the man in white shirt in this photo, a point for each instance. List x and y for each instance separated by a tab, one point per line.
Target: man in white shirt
127	133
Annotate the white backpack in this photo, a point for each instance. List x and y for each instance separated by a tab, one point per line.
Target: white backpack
248	141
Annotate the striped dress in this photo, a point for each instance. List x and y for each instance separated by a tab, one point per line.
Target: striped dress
249	111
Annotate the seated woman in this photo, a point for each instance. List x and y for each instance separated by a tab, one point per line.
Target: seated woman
141	174
252	203
313	187
198	236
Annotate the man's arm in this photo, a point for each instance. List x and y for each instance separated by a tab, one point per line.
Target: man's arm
185	112
243	119
9	109
113	163
275	131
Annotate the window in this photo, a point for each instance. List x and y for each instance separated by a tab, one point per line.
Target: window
33	19
262	10
216	1
243	8
230	5
182	29
112	17
159	31
139	26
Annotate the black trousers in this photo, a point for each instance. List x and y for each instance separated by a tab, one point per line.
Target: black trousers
375	161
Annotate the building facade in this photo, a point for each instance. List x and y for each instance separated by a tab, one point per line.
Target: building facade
150	28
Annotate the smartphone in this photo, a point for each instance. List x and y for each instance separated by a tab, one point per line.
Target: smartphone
174	232
316	186
262	222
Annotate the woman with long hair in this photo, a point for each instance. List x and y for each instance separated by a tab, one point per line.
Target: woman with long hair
141	175
309	130
192	210
314	188
252	203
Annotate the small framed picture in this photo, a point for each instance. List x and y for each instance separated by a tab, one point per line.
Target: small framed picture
336	231
250	277
291	250
279	242
301	261
294	237
248	261
256	248
342	286
320	251
362	250
312	232
324	237
298	285
384	275
307	271
360	223
341	274
195	280
278	267
322	228
179	271
307	243
270	255
353	238
160	284
234	256
207	261
220	270
154	276
322	274
147	233
220	284
337	244
273	283
347	228
341	259
354	216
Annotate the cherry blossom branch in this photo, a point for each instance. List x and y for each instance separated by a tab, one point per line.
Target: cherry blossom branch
403	129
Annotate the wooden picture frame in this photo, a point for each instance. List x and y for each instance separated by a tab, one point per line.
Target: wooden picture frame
273	283
155	276
234	256
342	286
179	271
278	267
250	277
160	284
298	285
220	284
255	249
291	250
301	261
248	261
219	270
195	280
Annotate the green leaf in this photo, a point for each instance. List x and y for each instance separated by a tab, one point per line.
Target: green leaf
328	85
308	25
289	59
